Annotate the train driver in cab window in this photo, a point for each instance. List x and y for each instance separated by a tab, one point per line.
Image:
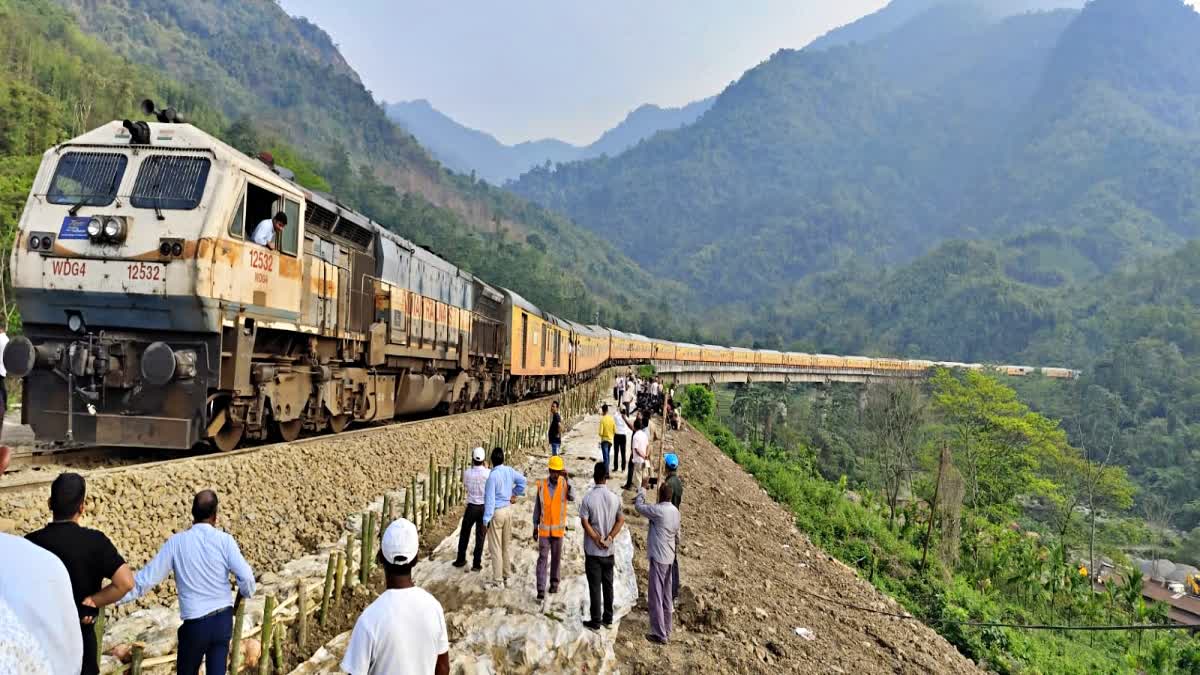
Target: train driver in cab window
264	232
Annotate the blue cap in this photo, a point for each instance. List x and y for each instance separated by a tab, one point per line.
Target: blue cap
671	460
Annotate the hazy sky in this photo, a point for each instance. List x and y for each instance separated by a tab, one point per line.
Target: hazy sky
527	69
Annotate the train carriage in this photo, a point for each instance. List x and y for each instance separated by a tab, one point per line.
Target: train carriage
769	357
686	353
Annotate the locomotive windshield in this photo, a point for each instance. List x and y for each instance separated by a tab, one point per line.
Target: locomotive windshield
87	178
170	182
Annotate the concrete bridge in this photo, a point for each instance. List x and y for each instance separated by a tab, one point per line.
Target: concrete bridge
719	373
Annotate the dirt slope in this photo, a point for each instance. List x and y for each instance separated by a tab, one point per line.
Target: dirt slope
745	568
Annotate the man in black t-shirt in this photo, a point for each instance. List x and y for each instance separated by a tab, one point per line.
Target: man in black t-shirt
89	557
555	429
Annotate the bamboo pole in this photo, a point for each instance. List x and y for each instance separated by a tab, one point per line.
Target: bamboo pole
426	506
327	589
302	615
235	646
444	472
99	636
413	491
349	558
135	665
277	643
268	623
364	543
339	576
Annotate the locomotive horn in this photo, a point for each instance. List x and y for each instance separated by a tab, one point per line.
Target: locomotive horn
167	115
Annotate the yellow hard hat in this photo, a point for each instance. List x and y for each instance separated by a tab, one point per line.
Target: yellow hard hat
556	463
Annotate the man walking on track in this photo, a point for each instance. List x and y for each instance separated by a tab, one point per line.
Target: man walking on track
660	548
550	523
474	478
555	429
89	557
502	488
671	462
403	631
202	557
600	514
608	430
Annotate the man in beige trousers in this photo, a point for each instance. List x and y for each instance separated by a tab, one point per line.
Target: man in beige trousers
504	485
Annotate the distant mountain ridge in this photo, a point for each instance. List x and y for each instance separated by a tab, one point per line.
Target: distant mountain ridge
899	12
467	150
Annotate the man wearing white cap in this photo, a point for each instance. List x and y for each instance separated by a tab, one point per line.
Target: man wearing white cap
474	479
404	630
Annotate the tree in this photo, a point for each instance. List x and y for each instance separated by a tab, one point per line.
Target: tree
699	404
894	421
995	438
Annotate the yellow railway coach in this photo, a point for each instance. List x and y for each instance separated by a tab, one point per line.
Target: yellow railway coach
538	342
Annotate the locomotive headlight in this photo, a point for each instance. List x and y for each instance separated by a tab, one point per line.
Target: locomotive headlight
35	243
75	322
114	229
95	227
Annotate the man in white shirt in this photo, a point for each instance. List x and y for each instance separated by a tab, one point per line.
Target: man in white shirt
36	589
3	372
404	631
620	441
629	398
264	232
474	479
639	451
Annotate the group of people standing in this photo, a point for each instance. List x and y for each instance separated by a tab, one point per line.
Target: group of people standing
54	582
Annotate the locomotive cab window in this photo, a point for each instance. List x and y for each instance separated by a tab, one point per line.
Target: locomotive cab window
289	239
87	178
237	226
170	182
261	204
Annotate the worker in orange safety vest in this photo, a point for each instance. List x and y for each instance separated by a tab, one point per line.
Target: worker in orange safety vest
550	523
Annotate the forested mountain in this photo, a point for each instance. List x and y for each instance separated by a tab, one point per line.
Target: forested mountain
468	150
899	12
279	81
1069	133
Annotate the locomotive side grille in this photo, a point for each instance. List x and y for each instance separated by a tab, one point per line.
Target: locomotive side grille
355	233
319	217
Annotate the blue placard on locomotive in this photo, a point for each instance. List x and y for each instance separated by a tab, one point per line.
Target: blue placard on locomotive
74	227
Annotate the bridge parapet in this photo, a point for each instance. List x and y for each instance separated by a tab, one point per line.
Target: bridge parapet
732	373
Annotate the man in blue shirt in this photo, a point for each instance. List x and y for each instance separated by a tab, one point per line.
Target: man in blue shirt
202	557
503	487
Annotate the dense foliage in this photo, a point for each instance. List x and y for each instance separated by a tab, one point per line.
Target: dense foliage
959	548
1041	134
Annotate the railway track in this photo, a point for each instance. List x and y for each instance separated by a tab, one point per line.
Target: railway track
30	460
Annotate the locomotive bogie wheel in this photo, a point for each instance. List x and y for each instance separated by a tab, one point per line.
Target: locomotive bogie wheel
338	423
228	437
288	431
